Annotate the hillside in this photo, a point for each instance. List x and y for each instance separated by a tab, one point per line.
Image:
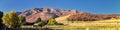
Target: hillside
82	16
45	13
74	15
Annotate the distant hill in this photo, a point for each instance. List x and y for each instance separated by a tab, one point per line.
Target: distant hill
82	16
46	13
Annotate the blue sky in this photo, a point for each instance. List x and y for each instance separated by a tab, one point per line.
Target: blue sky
92	6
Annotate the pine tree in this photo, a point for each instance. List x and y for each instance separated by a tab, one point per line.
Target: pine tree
38	20
1	25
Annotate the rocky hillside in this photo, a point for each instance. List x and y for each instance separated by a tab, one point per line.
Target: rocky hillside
46	13
83	16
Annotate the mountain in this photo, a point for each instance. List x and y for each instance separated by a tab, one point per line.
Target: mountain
45	13
83	16
62	15
18	13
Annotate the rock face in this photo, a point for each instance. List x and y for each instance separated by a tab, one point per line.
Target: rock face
45	13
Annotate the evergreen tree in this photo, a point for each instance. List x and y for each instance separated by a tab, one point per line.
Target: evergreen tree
39	23
1	25
38	20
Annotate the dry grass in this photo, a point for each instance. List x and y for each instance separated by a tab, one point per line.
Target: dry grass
112	24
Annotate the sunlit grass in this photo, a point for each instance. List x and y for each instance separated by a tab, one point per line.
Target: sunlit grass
112	24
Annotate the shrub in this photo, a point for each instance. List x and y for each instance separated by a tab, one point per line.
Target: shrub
51	21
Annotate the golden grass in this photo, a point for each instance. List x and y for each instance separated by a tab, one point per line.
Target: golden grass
111	24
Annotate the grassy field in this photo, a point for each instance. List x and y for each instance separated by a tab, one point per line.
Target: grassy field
112	24
84	27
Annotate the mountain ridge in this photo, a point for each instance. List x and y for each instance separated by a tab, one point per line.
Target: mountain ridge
46	13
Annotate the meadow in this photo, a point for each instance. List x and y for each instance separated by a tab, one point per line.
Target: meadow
112	24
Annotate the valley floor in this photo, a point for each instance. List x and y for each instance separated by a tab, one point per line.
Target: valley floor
113	24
